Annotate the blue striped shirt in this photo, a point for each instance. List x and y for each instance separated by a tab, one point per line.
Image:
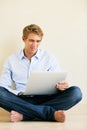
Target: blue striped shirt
18	67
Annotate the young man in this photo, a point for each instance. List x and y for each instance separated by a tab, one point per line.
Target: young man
17	70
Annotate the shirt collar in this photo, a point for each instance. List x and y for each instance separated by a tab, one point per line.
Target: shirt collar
37	55
21	54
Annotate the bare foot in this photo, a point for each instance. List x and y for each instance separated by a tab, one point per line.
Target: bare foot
59	116
15	116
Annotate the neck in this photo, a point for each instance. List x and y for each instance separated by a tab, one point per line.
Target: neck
28	55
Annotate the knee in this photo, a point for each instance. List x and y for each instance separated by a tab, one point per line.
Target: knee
76	93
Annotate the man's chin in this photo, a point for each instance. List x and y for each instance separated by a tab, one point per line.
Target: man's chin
34	52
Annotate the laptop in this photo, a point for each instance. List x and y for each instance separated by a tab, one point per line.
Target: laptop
44	83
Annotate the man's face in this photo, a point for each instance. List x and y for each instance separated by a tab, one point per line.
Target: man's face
32	43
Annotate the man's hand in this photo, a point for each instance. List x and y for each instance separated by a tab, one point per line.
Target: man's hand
63	85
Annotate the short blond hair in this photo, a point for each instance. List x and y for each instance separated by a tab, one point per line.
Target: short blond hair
33	28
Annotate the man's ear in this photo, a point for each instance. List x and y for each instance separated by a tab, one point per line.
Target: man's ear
23	38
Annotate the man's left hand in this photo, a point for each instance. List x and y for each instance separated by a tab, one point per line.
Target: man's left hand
63	85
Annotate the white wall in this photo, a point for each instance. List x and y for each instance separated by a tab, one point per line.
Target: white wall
64	23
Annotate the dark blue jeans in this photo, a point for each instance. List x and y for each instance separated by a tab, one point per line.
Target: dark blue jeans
40	107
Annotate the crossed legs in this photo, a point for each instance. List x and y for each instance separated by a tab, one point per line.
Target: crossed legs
50	108
59	116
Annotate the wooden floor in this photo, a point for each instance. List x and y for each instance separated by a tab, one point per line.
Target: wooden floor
76	119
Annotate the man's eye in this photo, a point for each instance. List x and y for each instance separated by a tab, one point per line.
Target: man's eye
31	40
38	41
